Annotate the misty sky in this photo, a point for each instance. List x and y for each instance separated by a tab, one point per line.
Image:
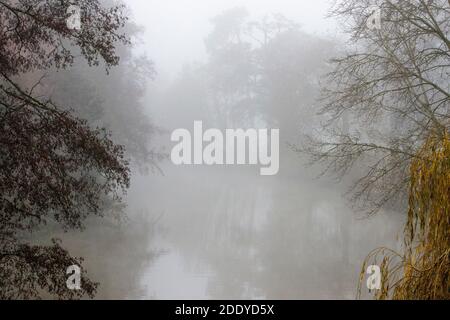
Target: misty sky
175	29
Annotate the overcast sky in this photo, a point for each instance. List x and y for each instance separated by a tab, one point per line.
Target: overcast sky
175	29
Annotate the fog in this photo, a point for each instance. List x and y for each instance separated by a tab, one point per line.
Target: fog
175	31
226	232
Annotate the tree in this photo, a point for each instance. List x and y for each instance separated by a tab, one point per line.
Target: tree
100	99
264	71
231	69
51	159
387	102
422	270
386	95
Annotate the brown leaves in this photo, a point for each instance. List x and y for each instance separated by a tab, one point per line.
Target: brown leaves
423	270
56	163
27	270
34	34
54	168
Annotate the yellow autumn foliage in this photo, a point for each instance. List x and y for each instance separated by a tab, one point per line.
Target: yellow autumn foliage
422	271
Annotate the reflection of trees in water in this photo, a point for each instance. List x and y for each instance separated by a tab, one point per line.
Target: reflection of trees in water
282	238
230	247
116	254
307	258
287	236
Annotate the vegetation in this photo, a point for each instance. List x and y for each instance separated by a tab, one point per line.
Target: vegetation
423	270
54	167
386	95
397	74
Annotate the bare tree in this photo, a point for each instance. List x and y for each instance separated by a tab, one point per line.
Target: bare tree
54	168
387	94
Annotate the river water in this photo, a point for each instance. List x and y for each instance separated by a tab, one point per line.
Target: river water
229	233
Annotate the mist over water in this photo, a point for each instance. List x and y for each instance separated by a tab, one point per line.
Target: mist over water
228	233
224	150
237	235
225	232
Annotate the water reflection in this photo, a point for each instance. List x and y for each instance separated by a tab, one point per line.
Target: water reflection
230	233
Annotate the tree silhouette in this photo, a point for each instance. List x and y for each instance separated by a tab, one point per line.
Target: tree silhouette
387	94
54	168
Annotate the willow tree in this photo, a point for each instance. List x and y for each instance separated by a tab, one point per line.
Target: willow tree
50	160
387	103
422	271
